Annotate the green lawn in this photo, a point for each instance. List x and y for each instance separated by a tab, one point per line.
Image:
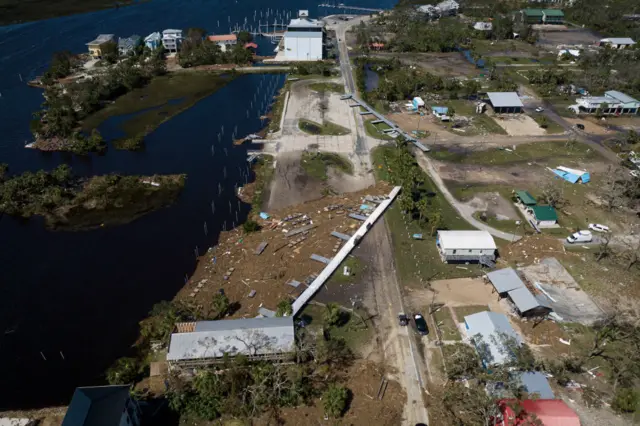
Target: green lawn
552	153
463	311
327	87
315	164
550	126
505	225
419	260
163	98
325	129
356	267
446	324
354	332
494	46
264	172
376	130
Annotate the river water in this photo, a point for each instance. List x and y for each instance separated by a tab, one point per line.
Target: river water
70	303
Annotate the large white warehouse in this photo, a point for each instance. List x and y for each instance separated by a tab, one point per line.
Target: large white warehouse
303	39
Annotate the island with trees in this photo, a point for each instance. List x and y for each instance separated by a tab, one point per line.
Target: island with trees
69	202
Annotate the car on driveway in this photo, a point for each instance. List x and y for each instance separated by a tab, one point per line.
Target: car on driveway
421	324
539	109
598	227
580	237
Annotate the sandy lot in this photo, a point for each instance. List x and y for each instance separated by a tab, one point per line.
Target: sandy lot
495	205
291	185
551	39
443	64
519	125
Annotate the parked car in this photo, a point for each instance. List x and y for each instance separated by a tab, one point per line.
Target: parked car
421	324
580	237
598	227
539	109
580	126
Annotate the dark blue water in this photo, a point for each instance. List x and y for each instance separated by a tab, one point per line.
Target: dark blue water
371	78
84	293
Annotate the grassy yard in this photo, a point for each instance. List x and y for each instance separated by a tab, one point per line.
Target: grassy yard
463	311
315	164
552	153
419	260
376	130
264	171
505	225
353	331
356	267
163	98
495	46
327	87
446	324
325	129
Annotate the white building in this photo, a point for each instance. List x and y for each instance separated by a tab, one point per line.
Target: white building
614	102
483	26
617	42
172	39
205	343
448	8
303	39
466	246
225	41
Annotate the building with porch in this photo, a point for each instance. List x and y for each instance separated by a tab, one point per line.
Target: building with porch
172	39
612	103
128	45
466	246
205	343
505	102
153	41
225	41
543	216
617	42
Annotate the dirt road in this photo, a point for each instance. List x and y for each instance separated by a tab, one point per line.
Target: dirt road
398	343
465	210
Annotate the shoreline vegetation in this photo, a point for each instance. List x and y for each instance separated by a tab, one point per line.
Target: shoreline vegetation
71	203
20	11
79	99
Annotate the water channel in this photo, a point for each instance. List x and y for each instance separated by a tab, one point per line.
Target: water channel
70	303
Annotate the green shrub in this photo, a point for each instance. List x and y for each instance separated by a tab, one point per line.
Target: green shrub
626	400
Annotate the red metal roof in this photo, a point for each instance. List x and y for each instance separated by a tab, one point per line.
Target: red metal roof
250	45
223	37
551	412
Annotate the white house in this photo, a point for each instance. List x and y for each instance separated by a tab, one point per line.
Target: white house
617	42
466	246
448	7
614	102
172	39
304	38
225	41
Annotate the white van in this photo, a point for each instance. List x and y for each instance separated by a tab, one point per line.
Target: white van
580	237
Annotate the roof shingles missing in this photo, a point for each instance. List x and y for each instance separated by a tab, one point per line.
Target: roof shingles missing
253	336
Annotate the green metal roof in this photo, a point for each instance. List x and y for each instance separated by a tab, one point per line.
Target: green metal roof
544	213
532	12
553	12
526	198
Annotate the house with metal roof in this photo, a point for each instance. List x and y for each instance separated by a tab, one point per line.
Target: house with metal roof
466	246
543	216
153	40
205	343
552	16
492	334
617	42
505	102
533	383
127	46
531	16
525	198
102	406
613	102
548	412
572	175
504	280
95	46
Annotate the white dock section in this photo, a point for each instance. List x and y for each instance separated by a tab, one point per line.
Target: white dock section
344	252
